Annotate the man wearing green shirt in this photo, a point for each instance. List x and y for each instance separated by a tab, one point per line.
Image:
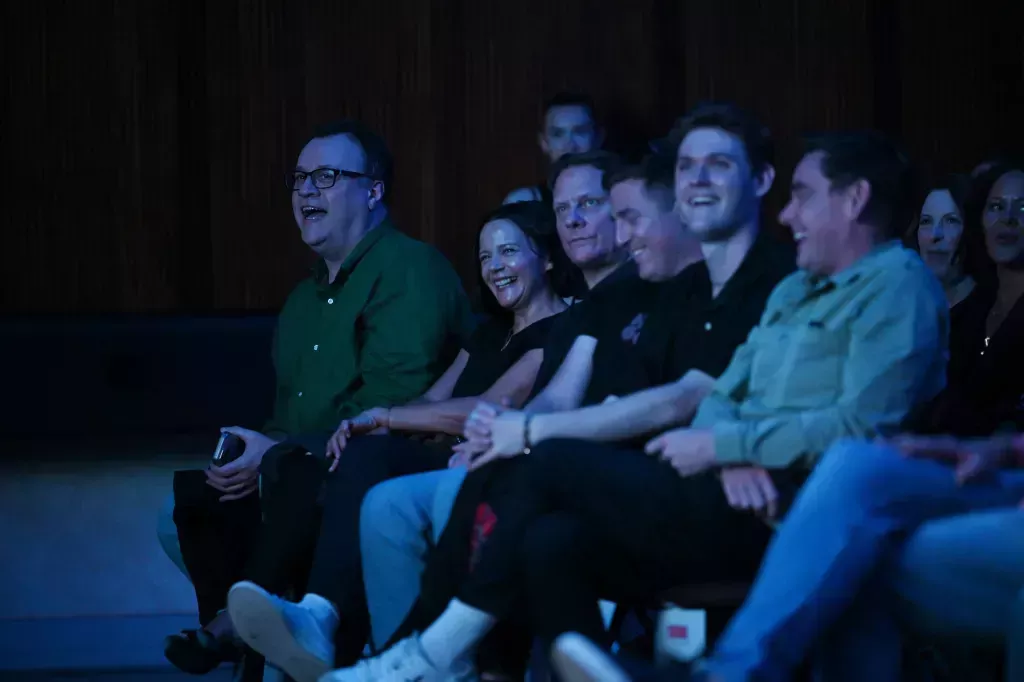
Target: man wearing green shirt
379	319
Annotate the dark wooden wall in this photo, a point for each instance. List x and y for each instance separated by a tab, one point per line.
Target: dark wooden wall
143	141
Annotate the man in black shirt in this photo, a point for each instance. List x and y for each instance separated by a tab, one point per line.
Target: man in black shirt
568	125
577	521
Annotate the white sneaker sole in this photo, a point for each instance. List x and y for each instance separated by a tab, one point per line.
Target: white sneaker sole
577	659
260	625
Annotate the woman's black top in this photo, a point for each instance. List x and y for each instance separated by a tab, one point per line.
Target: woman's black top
490	356
985	379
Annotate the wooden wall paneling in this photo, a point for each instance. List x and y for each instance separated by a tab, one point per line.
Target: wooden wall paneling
799	65
31	193
194	268
90	128
148	139
145	62
963	90
254	76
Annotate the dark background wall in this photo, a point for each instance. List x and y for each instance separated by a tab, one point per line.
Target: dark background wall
147	138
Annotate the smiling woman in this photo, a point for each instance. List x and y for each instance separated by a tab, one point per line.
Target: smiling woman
522	262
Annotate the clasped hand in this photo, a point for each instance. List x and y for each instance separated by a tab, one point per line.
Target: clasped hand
242	476
374	420
970	458
491	432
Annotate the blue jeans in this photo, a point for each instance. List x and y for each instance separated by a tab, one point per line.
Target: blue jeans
399	522
959	578
839	543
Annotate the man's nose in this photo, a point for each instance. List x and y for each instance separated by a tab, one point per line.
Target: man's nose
308	188
786	215
623	233
575	219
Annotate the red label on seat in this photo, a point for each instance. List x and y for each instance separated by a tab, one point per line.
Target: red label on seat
678	631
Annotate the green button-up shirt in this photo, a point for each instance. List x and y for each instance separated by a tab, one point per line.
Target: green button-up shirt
379	335
846	356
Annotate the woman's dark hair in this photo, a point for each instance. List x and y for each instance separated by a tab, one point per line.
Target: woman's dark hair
537	221
977	263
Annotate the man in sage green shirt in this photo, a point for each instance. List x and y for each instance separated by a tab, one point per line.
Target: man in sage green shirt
378	321
847	345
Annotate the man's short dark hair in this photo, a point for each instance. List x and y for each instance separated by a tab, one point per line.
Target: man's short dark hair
604	161
568	99
870	156
756	138
379	162
656	172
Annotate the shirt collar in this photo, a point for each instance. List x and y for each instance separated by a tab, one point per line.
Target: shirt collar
853	273
625	271
369	240
764	257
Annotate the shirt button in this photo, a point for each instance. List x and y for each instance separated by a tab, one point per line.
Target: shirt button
300	394
330	301
707	326
316	346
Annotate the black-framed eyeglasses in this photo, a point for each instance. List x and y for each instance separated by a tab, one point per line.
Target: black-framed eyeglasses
323	178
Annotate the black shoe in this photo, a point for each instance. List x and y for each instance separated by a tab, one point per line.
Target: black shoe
577	659
197	652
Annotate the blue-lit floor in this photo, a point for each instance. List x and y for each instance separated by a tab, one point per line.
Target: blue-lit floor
85	590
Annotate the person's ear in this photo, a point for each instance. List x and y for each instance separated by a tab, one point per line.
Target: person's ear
375	195
763	180
855	199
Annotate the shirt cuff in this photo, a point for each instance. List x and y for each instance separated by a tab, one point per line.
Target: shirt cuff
729	448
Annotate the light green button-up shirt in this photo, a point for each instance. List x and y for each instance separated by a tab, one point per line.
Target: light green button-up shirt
846	356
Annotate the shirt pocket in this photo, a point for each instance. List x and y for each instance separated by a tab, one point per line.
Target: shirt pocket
798	368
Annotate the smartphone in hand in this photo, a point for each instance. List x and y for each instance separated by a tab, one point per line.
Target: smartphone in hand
229	448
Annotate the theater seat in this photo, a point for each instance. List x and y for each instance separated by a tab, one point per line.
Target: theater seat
723	595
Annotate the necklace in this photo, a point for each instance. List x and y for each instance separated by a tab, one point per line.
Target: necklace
508	339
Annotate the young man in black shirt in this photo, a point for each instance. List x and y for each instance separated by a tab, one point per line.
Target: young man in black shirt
568	125
576	521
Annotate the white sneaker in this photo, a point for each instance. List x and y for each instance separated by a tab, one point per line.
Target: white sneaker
404	662
298	638
577	659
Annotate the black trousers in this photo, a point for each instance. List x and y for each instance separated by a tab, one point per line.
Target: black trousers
281	559
216	538
337	571
578	521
